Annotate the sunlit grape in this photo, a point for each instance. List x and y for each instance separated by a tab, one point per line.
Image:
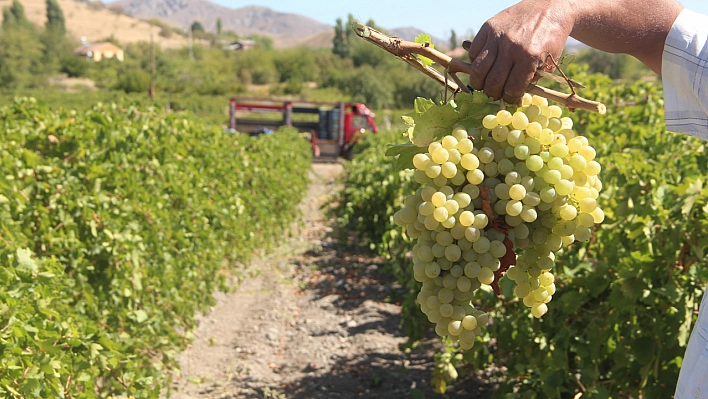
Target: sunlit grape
469	161
432	170
440	155
519	120
420	161
449	142
490	122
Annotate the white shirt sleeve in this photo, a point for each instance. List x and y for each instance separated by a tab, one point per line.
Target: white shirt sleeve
685	75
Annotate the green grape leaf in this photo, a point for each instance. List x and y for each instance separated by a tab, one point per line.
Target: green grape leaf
685	329
475	105
430	122
405	153
423	104
140	315
24	258
95	350
423	39
692	195
30	329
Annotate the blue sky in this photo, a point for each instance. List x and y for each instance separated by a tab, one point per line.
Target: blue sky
436	19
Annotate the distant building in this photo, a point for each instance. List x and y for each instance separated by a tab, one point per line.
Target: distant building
245	44
99	51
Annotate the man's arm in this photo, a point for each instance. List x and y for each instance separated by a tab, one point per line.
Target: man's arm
512	45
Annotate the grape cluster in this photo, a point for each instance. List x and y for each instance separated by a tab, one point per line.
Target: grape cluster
499	198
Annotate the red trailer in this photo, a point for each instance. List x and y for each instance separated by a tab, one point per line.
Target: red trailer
333	125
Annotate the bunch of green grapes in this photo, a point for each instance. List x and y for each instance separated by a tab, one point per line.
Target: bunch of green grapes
499	198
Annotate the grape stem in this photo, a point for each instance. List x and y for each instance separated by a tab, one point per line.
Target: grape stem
407	50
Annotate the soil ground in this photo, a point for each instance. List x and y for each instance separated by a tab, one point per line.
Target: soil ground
319	320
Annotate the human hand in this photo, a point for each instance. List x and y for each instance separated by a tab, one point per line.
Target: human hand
511	46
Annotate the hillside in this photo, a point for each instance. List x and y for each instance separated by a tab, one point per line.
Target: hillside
286	29
410	33
319	40
244	21
98	24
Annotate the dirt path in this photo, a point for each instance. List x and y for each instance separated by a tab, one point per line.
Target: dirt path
317	322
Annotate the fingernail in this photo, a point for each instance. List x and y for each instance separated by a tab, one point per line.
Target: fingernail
466	45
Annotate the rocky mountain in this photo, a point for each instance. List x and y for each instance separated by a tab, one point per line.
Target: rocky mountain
286	29
244	21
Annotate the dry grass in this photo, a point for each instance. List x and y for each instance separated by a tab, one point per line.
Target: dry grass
96	25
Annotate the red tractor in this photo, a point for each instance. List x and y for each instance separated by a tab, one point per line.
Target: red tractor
332	126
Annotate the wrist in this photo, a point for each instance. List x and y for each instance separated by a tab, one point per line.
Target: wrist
566	13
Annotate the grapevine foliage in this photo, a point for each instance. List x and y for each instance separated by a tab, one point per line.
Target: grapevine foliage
429	122
626	299
426	41
117	225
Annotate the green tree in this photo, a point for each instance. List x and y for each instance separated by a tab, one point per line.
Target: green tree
257	67
18	11
134	80
453	39
219	26
20	58
14	15
262	42
366	85
55	18
363	53
373	24
7	17
296	64
348	29
57	50
74	66
339	43
410	84
197	27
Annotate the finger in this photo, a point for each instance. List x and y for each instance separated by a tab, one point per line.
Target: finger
475	46
474	49
466	45
497	77
520	76
481	65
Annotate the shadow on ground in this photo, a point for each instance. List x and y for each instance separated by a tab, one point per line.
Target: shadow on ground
356	284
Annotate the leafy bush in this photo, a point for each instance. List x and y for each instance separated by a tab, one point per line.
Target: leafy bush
74	66
133	216
365	85
133	81
410	84
20	58
296	64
